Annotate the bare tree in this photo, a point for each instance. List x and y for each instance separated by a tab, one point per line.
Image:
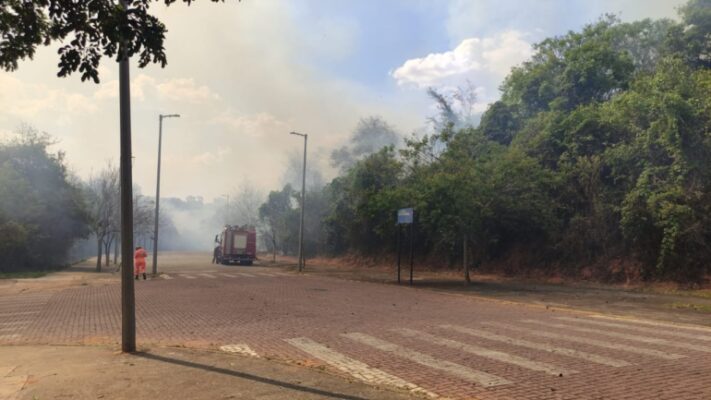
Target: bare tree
242	208
143	208
102	191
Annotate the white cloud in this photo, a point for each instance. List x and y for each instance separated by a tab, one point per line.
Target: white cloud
473	58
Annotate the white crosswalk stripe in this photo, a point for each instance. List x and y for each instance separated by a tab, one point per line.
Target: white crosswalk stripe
10	314
706	329
540	346
188	276
267	274
11	328
353	367
13	323
166	276
207	276
487	353
652	331
460	371
239	348
593	342
625	336
246	275
228	275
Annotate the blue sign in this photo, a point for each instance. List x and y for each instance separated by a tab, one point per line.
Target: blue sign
405	215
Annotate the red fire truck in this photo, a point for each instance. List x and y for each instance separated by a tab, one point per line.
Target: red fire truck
238	245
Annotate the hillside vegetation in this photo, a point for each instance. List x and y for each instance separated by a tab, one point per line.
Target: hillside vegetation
598	153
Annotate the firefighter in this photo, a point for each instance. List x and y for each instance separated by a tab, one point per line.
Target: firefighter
139	262
216	255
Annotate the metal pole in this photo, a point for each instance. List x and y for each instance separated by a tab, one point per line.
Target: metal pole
412	247
399	250
302	261
128	301
465	258
157	219
155	228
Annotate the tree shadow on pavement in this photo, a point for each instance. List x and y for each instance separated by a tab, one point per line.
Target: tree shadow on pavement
245	375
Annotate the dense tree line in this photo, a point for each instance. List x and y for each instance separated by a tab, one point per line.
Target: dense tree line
45	210
42	210
599	152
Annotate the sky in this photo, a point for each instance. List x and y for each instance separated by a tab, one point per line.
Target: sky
242	75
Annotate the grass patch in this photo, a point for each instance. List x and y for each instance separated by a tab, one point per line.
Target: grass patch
704	308
23	274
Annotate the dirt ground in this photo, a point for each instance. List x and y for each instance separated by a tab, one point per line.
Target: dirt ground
69	372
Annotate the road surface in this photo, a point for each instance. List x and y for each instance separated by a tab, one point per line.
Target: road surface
431	344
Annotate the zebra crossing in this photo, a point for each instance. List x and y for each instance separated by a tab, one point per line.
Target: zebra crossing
511	347
19	312
222	275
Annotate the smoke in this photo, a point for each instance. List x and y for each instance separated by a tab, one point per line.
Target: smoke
370	135
195	223
293	173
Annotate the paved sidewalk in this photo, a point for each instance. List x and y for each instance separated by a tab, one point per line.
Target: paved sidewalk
90	372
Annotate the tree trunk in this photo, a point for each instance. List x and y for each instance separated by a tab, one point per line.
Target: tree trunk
107	252
98	254
465	257
116	251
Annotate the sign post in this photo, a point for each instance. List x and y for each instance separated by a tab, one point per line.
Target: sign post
405	216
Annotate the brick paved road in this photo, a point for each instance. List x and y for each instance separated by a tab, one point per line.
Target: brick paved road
433	344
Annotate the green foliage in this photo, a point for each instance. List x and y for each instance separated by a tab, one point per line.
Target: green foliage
41	212
599	149
363	204
281	220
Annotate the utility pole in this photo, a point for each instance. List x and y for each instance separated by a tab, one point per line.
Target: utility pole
302	263
128	300
155	229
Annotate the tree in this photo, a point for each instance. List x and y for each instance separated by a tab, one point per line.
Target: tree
664	214
276	215
98	28
370	135
692	38
244	206
102	193
42	211
362	203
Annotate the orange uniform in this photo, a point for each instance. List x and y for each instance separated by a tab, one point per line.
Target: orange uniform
139	261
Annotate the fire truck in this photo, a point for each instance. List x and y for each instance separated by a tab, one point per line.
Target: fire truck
238	245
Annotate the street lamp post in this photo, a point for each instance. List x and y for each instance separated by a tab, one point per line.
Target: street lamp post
155	229
302	262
